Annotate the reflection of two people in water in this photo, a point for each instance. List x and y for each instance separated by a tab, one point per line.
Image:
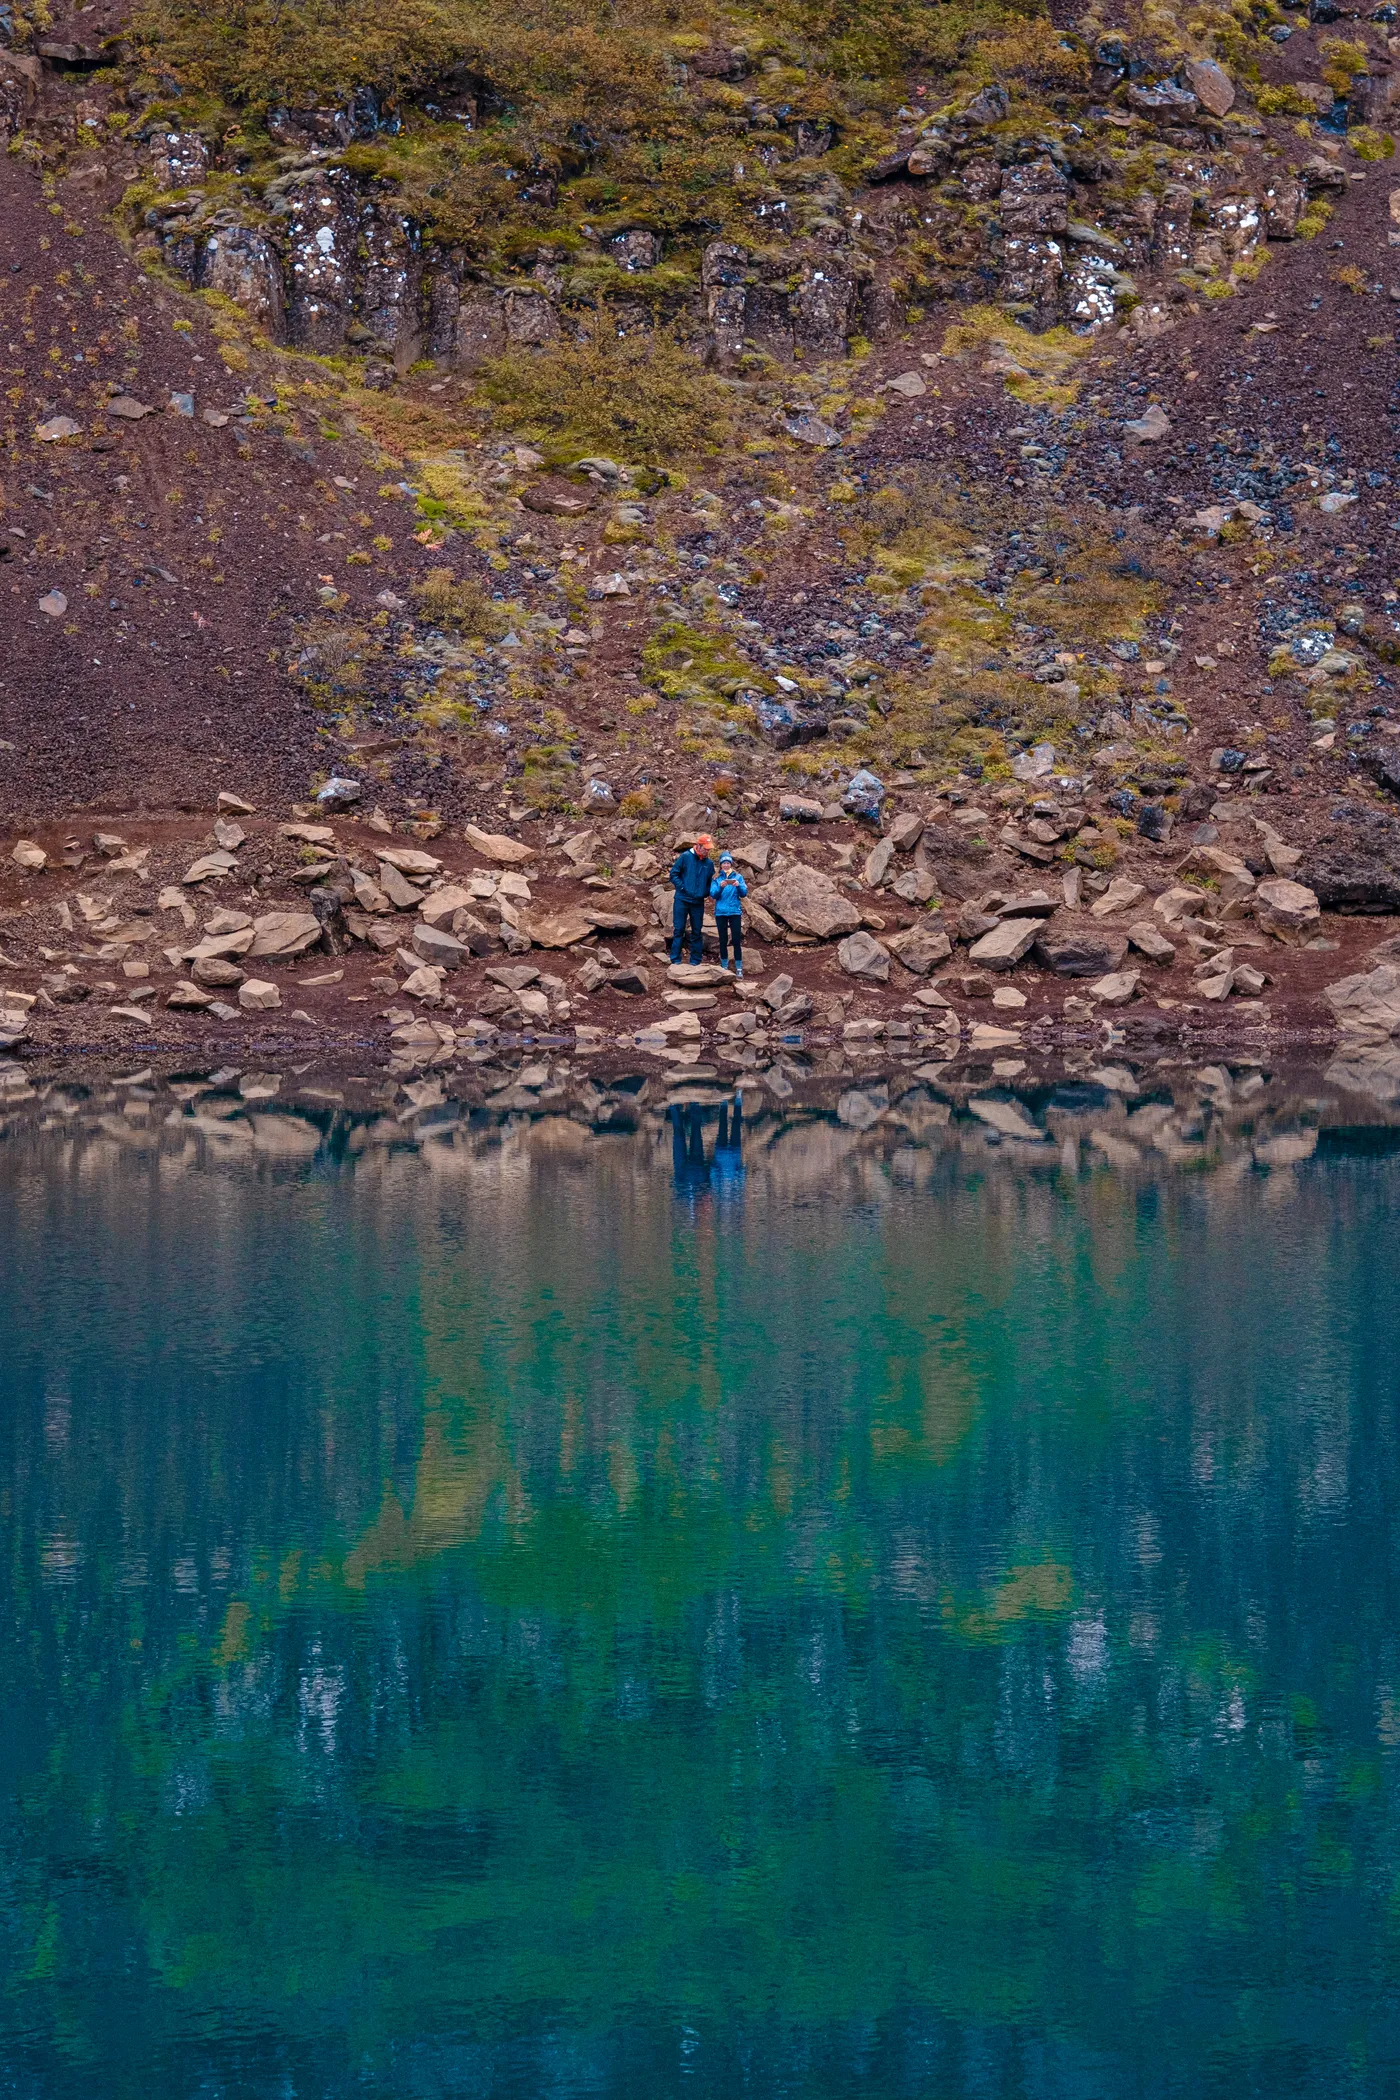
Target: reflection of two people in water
693	1171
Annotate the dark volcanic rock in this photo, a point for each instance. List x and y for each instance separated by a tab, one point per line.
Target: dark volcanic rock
1080	952
1355	871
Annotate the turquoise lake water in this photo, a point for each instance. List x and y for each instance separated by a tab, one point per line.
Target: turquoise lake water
860	1600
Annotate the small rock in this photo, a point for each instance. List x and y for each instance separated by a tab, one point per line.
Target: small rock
1007	997
1143	936
127	409
811	430
1211	85
256	995
598	794
26	855
492	845
800	809
1116	989
338	794
1182	902
1121	893
910	384
215	970
209	867
56	429
1154	423
1335	500
1035	763
188	998
230	836
181	405
232	805
614	585
697	977
864	795
53	605
435	945
877	864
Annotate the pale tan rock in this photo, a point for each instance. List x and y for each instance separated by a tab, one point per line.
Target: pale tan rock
284	933
1367	1005
1211	85
986	1037
1143	936
424	984
233	805
1180	903
210	866
1116	989
397	888
860	955
25	854
438	906
920	948
1121	895
188	997
877	864
238	942
407	859
809	902
492	845
1285	908
256	995
561	929
1006	944
307	834
228	835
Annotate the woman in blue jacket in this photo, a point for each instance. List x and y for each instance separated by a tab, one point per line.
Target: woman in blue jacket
727	889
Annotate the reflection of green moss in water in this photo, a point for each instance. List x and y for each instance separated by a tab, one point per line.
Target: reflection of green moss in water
713	1616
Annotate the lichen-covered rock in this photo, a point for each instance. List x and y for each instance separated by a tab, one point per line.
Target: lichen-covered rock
179	160
243	266
1034	199
821	310
320	248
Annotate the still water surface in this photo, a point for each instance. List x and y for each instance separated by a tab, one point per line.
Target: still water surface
530	1608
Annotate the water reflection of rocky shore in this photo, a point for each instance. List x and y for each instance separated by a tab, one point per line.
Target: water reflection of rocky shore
799	1129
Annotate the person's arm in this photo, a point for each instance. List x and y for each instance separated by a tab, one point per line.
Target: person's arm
678	871
741	885
717	887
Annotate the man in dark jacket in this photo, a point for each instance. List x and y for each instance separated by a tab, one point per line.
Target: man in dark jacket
690	879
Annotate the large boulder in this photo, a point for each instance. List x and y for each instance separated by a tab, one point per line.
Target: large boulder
1367	1005
860	955
809	902
1355	871
284	933
1285	909
1005	945
920	948
1080	951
